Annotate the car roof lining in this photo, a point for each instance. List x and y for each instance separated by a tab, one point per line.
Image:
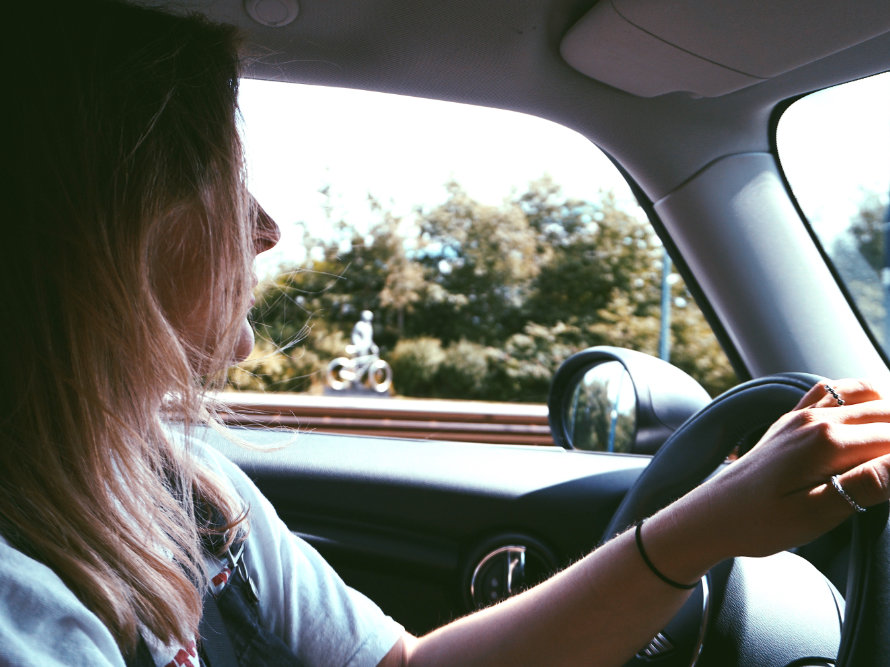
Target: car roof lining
711	48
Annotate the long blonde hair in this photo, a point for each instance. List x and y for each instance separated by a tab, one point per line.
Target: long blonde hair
123	155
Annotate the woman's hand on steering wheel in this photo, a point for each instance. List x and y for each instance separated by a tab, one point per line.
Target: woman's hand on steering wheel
780	494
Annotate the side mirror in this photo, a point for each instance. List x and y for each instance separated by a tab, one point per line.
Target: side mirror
618	400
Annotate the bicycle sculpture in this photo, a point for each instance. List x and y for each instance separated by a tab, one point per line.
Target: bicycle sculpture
363	366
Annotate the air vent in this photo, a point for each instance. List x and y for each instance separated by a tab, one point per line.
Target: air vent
506	566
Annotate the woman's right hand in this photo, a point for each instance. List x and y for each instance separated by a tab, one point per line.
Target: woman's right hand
780	494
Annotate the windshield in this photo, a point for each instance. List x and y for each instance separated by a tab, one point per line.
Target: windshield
470	249
834	147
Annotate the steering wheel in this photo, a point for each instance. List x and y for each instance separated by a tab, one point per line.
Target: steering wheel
737	419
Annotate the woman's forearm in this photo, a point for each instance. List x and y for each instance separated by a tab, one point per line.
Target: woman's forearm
600	611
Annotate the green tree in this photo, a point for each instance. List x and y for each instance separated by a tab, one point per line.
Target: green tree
602	251
482	258
405	282
489	298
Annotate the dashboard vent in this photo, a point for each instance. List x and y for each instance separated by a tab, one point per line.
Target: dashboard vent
507	567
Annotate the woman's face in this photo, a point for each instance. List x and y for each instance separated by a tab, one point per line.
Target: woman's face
266	237
186	297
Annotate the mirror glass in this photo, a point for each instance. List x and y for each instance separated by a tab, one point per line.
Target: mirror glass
602	412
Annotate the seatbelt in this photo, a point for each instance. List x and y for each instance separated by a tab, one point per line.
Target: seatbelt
214	642
214	647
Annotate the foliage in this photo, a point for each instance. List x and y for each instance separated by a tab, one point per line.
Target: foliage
415	365
481	259
868	230
598	422
300	367
859	256
269	369
695	349
466	371
477	301
532	356
598	251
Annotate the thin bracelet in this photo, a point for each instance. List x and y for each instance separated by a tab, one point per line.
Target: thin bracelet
676	584
836	483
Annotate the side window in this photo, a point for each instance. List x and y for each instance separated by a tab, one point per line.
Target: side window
834	146
482	246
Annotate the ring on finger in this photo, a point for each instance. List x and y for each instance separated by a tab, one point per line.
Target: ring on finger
836	483
836	396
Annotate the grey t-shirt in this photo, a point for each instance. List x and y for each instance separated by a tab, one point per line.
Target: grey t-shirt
302	600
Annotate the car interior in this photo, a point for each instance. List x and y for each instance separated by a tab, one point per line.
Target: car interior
684	96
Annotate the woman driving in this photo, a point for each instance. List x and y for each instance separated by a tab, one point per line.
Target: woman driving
127	277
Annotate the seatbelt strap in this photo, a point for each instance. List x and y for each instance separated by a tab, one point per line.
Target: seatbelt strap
215	643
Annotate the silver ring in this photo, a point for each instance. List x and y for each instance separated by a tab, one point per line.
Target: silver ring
836	483
836	396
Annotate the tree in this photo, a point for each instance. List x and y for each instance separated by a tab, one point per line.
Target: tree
483	259
405	282
868	230
860	257
602	251
495	297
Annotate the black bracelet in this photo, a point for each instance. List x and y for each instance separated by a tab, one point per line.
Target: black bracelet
649	564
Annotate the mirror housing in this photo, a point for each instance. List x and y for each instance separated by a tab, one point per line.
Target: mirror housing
663	397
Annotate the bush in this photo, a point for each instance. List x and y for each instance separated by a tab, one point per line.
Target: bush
531	358
268	369
464	371
415	365
521	371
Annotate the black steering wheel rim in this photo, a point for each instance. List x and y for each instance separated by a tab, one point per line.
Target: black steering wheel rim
734	419
737	419
865	640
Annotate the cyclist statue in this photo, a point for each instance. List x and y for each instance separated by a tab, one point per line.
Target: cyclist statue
363	337
362	367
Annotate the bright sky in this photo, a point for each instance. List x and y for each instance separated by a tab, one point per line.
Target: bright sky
835	146
403	150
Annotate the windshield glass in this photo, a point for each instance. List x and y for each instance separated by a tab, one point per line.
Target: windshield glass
834	147
472	250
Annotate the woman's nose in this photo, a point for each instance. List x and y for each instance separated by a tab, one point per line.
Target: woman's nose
267	232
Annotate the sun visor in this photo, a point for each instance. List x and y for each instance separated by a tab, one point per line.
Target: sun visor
712	47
